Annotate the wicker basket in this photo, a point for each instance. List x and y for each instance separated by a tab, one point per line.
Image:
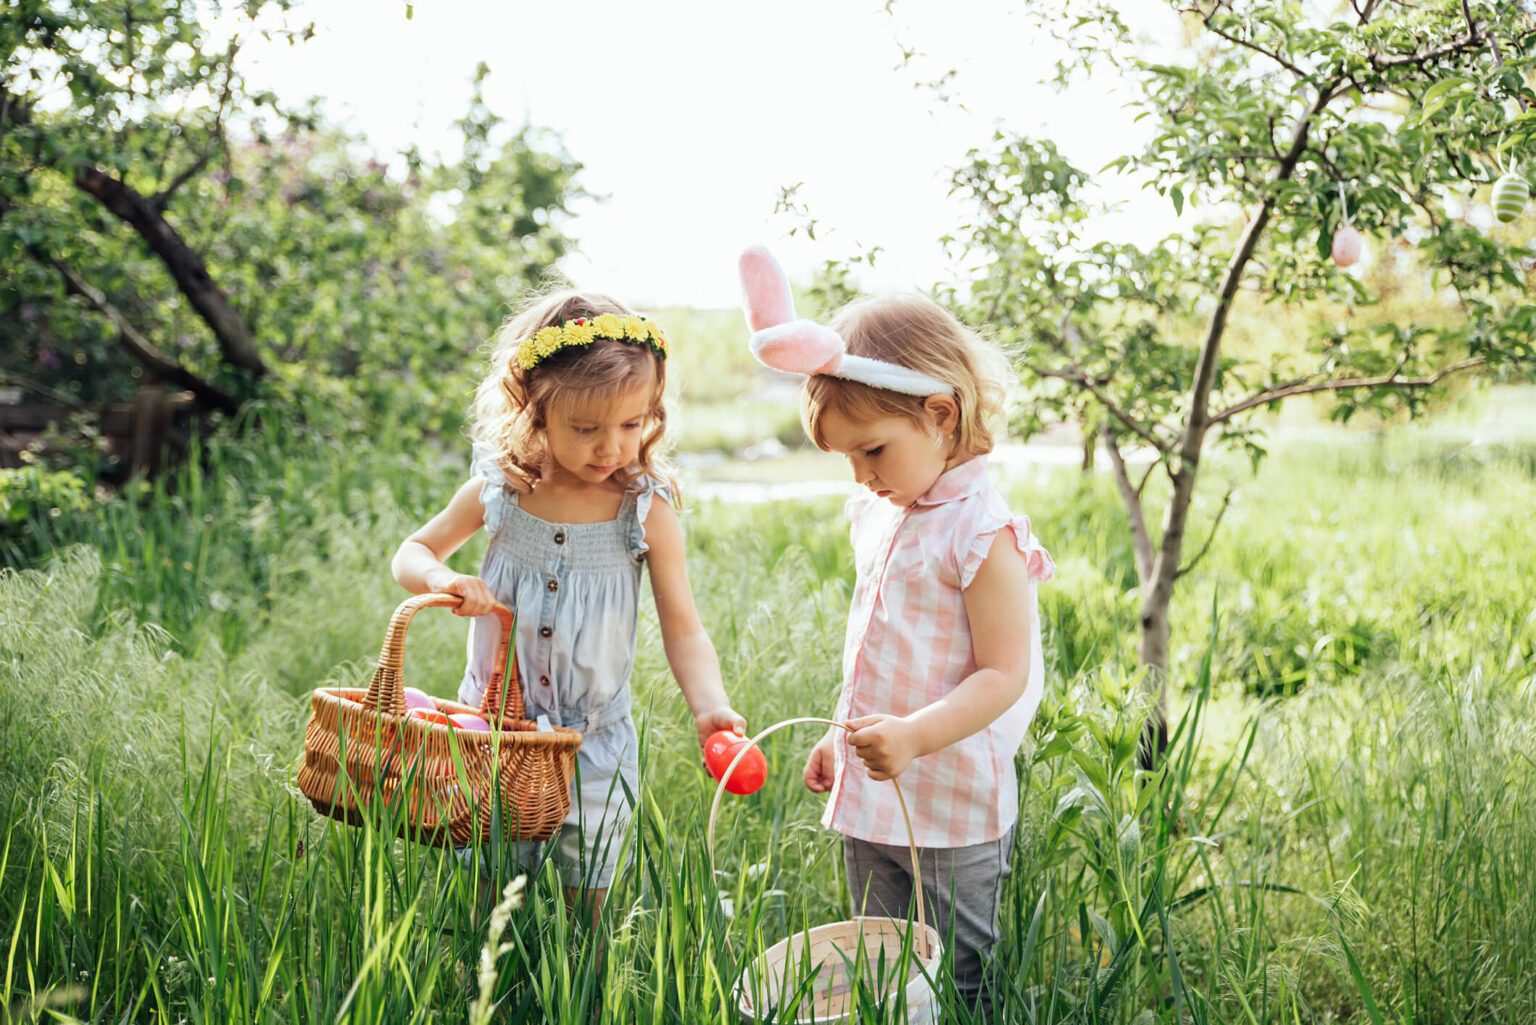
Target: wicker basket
364	760
815	971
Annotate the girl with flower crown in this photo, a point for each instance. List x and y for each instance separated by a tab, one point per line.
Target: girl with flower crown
569	484
942	669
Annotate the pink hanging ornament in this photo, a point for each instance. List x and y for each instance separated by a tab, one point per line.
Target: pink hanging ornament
1346	246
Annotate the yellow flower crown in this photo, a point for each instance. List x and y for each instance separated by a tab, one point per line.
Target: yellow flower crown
547	341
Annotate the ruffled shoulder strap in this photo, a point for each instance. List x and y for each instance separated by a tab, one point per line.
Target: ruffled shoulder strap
495	495
987	515
645	489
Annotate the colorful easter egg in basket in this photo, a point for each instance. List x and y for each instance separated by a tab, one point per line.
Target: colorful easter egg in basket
469	721
430	715
418	699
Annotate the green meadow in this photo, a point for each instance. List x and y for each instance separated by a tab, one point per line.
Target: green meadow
1344	828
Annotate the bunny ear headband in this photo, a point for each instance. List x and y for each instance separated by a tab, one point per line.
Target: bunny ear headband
801	346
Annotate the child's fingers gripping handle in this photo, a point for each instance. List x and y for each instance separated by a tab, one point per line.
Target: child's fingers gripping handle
714	810
386	691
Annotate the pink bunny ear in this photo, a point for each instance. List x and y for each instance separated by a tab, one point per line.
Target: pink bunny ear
779	340
765	289
800	347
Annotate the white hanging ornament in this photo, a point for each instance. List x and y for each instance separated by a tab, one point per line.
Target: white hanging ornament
1510	194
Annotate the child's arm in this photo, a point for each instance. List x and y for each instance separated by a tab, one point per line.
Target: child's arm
418	563
689	651
995	603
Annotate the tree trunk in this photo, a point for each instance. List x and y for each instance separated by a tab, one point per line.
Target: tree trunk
1155	627
1155	634
184	263
137	345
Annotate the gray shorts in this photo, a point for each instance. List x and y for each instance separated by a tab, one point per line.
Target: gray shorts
962	889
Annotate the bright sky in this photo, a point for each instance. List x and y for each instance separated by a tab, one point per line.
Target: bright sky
691	115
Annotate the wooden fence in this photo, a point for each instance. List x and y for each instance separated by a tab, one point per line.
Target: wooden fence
139	438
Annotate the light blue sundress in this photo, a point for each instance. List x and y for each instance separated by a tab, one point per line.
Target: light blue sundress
576	590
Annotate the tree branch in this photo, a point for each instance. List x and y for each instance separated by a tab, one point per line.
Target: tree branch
139	346
1077	377
1498	55
185	265
161	198
1248	44
1165	567
1246	155
1420	59
1141	543
1391	380
1321	152
1210	346
1208	538
37	387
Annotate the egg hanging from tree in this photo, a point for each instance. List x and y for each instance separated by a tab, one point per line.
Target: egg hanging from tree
1510	194
1346	246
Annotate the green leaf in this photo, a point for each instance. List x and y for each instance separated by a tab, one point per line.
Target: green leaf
1361	985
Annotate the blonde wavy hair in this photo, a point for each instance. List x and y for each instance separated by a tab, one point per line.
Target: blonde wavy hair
914	332
512	405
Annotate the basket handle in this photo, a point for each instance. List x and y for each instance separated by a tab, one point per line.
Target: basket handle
714	811
386	692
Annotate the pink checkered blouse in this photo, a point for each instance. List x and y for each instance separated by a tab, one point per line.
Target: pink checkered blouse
909	643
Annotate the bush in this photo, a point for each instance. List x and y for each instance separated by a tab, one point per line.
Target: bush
32	496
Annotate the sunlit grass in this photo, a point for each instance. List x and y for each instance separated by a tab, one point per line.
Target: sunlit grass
1344	826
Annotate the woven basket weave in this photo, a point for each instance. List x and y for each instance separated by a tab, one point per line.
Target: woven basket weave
364	760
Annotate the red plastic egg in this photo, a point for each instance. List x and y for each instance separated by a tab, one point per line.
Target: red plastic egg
469	721
431	715
721	749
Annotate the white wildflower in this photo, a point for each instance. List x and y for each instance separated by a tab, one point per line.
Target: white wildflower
501	914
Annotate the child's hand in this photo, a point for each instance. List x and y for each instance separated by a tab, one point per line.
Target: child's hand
478	599
885	743
722	718
821	766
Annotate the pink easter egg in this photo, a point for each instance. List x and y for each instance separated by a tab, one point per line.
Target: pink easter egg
470	721
1346	246
418	699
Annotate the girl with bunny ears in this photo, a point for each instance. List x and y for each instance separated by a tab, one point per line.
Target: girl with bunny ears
567	482
942	670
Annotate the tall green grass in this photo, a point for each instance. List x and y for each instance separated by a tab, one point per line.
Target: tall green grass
1360	849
